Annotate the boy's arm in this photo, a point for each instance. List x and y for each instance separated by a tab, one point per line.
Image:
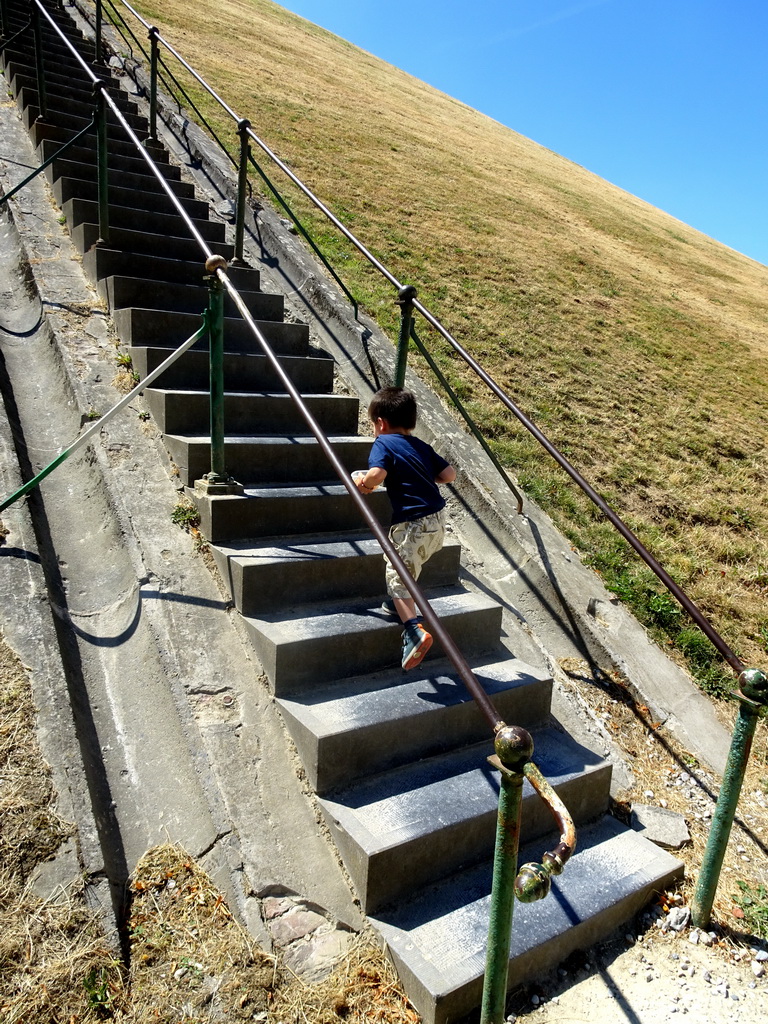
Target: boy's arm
447	476
371	480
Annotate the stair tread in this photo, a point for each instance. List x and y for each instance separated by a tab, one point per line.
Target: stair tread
411	801
353	704
288	625
438	938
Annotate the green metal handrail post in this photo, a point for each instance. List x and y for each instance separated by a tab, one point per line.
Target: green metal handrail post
242	186
152	34
97	33
42	96
102	170
218	473
405	298
3	18
514	748
752	696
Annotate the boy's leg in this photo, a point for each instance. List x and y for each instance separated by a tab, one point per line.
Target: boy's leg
415	542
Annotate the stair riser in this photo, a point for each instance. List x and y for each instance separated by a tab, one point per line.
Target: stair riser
81	164
124	292
341	759
253	587
22	79
153	243
397	873
74	113
123	162
157	202
244	372
167	329
188	413
236	518
80	211
73	122
102	263
298	665
269	462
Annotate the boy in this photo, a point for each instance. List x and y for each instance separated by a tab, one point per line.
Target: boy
411	470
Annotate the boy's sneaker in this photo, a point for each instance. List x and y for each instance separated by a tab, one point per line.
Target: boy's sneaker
416	643
388	609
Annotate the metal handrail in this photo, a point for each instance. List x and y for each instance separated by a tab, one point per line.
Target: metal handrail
215	264
690	607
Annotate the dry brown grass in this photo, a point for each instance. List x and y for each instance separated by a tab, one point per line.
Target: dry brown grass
190	961
47	947
638	344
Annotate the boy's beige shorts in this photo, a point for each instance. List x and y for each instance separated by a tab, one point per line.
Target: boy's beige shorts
415	542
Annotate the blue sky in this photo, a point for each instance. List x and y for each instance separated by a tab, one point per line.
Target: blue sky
667	99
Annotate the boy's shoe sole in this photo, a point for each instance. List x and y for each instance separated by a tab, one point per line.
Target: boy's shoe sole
415	654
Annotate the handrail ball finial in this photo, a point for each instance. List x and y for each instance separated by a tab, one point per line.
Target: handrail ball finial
214	263
514	747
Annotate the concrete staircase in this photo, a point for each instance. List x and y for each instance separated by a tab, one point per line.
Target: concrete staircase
398	762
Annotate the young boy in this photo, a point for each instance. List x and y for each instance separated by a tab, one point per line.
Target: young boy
411	470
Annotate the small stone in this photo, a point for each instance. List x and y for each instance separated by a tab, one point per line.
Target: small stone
649	976
761	956
757	969
694	937
678	918
535	1000
179	974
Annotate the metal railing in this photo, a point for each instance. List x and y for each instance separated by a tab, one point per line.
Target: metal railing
513	746
751	685
519	762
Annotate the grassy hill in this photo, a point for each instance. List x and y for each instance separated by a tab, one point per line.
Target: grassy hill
639	345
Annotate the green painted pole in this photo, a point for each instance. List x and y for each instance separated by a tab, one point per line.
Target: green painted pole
102	170
405	299
218	472
242	187
752	695
97	33
4	23
153	33
514	748
42	96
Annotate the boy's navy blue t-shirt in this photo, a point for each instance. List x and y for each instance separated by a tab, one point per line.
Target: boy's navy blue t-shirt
411	466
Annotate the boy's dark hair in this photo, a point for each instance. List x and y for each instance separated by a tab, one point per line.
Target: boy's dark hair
395	405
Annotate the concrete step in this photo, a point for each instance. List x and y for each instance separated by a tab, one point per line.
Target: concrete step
122	292
327	567
356	727
156	201
248	371
21	78
438	938
70	122
274	510
81	211
162	328
80	162
403	829
305	646
268	460
70	113
180	412
85	236
121	150
103	262
122	160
